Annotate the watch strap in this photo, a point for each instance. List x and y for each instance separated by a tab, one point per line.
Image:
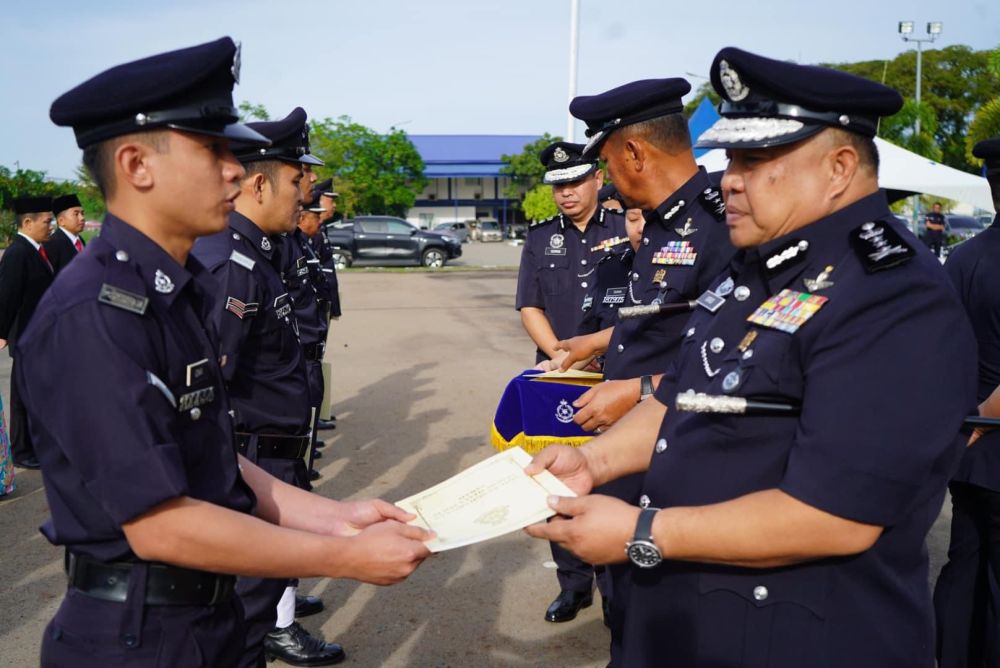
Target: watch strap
645	387
644	525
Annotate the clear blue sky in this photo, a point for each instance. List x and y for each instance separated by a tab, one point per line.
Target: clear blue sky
434	66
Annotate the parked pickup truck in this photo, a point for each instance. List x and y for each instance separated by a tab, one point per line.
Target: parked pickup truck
388	241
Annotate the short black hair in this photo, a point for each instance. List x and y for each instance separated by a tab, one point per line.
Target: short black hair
20	218
668	133
865	147
266	168
98	159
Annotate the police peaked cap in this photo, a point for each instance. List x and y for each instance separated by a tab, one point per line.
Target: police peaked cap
32	205
60	204
767	102
189	89
322	188
626	105
564	163
289	141
988	151
608	192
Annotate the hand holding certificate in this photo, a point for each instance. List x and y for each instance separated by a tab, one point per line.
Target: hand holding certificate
490	499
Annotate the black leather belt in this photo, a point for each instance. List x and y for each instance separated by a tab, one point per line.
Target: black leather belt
274	446
314	351
165	585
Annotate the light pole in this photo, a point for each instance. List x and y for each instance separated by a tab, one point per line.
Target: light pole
574	47
906	32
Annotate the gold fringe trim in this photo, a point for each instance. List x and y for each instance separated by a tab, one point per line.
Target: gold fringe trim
533	444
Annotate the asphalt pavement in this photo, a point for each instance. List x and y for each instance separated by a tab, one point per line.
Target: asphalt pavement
419	363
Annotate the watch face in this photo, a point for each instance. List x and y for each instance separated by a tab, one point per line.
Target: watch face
644	554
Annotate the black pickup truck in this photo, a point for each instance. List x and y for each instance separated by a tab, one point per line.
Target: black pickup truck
388	241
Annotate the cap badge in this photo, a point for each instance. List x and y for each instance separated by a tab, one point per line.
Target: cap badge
559	155
735	89
265	245
556	241
162	283
235	69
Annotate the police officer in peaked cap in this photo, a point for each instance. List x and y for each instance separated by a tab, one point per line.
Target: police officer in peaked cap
965	597
155	507
797	450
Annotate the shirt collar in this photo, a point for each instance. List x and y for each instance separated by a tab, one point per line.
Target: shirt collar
31	241
831	232
682	198
72	237
264	244
161	273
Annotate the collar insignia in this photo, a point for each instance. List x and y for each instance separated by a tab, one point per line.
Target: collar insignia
673	212
162	283
265	245
793	250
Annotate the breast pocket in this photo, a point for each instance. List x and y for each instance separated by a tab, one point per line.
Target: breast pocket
555	276
764	619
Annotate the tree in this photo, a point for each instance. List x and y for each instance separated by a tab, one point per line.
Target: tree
250	112
539	204
525	169
704	90
900	129
379	174
986	123
29	183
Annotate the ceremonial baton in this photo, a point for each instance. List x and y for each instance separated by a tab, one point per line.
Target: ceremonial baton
644	311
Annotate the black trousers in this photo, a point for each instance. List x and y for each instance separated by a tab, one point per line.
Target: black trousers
20	438
967	596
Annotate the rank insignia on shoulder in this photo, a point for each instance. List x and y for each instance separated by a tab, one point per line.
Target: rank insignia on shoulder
710	301
879	247
123	299
242	260
687	230
820	282
240	309
676	253
792	252
787	311
608	244
713	201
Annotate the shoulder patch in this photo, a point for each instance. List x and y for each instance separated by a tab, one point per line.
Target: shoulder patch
539	223
123	299
879	247
242	260
711	199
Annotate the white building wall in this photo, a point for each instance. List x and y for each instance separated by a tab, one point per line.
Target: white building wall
428	217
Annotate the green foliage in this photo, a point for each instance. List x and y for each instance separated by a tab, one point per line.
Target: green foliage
539	204
704	90
374	173
900	129
32	183
985	125
995	62
253	112
525	169
956	82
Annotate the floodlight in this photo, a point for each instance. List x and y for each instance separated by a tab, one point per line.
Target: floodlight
905	27
934	28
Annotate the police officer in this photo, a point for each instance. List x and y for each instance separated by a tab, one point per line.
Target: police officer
966	596
934	228
143	481
65	242
556	273
793	536
327	196
266	368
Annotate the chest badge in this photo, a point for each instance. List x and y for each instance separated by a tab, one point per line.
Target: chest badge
608	244
676	253
787	311
725	287
687	230
162	283
556	241
820	282
659	275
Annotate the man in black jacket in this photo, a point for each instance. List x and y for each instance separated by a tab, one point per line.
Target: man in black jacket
25	275
65	242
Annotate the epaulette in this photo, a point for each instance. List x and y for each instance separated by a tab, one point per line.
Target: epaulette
614	209
242	260
711	199
879	247
123	288
539	223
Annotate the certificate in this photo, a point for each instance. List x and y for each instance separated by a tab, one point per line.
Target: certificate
489	499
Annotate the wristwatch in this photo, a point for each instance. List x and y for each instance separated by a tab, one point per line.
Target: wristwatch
641	550
645	387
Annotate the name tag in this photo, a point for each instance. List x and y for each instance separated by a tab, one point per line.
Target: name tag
555	251
194	399
615	295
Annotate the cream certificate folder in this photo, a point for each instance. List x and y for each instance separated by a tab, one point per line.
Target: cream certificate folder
484	501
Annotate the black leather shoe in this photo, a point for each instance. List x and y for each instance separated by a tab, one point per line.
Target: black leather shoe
307	605
296	647
317	455
567	604
29	463
313	475
325	424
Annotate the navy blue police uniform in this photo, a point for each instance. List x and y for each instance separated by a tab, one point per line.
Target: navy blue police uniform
154	424
265	368
684	246
329	287
822	319
967	594
934	238
556	275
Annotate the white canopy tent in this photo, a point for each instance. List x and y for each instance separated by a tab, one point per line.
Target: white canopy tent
907	172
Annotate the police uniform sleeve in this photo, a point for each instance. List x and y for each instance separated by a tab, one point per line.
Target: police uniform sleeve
886	387
12	271
121	437
529	291
237	304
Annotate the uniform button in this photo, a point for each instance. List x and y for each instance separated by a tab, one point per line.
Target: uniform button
645	241
236	236
583	241
121	256
552	266
760	593
690	333
584	284
748	354
741	293
731	381
195	413
583	262
128	640
716	345
635	276
644	501
661	446
621	348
